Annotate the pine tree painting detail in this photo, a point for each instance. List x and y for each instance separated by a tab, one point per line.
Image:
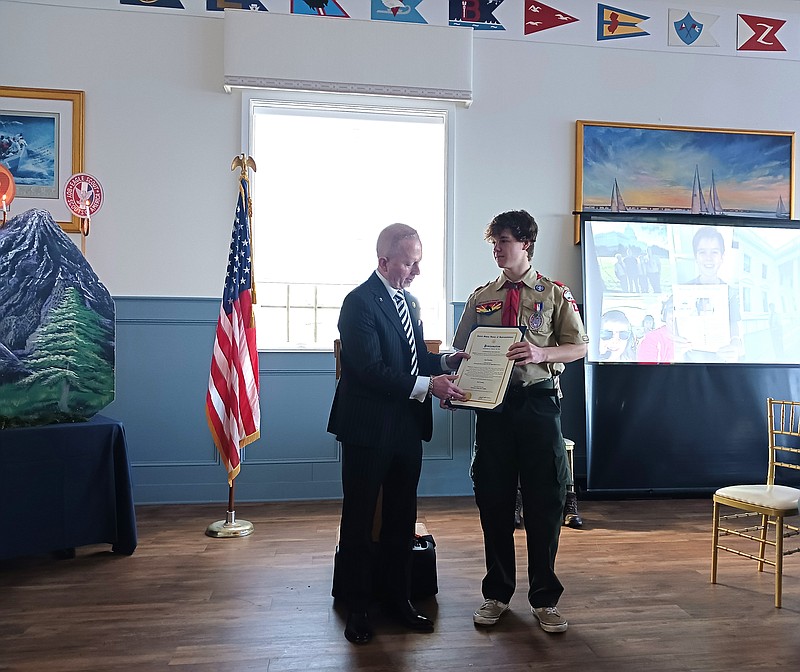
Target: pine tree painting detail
57	334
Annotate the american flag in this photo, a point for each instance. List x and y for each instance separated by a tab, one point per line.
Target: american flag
232	406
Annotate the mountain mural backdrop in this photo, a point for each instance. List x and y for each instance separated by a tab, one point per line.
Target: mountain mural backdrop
57	332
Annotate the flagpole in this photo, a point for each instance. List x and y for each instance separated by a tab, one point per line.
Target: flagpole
231	527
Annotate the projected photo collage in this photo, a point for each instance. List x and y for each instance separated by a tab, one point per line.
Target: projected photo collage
658	293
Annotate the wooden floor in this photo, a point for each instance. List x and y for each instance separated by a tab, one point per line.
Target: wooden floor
637	598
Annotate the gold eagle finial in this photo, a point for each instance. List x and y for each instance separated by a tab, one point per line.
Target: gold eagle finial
243	162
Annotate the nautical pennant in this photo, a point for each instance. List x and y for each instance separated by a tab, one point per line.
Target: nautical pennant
478	14
220	5
540	17
404	11
691	29
615	24
170	4
318	8
758	33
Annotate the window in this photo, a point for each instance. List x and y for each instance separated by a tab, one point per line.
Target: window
329	177
746	262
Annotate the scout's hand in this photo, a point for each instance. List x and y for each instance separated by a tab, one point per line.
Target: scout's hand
454	359
526	353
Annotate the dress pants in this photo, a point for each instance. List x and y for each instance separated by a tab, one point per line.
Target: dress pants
396	467
522	444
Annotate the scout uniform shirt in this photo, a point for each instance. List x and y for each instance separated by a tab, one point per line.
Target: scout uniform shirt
547	309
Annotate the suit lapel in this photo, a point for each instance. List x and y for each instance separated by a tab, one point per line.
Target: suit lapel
413	310
387	307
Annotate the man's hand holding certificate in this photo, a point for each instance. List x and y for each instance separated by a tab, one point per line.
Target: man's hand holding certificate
485	375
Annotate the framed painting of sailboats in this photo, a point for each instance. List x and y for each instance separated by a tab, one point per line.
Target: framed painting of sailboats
682	169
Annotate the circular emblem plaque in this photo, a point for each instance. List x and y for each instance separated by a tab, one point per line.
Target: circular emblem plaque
83	192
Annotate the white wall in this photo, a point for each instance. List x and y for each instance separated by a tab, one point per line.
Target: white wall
161	133
160	136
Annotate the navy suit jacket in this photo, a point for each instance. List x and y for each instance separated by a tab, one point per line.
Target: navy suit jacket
372	397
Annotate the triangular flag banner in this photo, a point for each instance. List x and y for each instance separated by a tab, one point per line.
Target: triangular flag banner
614	23
539	17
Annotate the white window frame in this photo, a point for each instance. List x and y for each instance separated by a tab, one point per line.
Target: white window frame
252	98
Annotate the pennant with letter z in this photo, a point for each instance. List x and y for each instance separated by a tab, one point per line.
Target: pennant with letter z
758	33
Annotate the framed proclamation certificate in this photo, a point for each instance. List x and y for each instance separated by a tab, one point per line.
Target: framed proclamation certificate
485	376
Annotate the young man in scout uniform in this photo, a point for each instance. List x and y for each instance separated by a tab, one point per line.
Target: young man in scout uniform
522	444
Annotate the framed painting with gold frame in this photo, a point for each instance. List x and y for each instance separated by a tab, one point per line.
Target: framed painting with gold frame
682	169
42	146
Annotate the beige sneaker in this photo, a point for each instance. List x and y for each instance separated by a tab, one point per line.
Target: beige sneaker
489	612
550	619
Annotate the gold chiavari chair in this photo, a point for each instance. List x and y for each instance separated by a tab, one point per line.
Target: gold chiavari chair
763	506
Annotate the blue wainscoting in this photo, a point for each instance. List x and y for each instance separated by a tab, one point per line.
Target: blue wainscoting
163	358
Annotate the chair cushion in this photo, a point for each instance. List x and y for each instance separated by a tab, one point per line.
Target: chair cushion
773	496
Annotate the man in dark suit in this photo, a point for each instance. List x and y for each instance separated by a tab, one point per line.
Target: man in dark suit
381	413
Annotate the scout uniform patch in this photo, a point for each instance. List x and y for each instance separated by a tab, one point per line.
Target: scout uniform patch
488	307
568	296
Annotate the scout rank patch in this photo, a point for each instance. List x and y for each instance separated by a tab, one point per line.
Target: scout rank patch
536	320
567	294
488	307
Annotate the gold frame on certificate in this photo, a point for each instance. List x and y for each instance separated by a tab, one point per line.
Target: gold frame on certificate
659	169
67	106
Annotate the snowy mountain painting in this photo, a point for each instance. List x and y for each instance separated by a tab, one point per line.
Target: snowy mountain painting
57	333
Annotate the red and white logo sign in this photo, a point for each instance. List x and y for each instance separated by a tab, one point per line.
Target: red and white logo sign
83	195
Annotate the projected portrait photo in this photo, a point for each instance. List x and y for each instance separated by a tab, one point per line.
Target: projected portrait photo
692	292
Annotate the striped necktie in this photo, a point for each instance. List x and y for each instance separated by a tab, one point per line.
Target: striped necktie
405	318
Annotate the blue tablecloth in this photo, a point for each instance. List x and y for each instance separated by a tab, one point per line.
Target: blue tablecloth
65	485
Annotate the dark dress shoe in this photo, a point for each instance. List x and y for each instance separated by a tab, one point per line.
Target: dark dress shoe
406	614
358	630
571	516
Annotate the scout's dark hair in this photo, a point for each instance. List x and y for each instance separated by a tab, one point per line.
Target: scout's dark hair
519	223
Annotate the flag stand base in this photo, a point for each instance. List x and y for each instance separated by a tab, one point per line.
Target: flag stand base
230	527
